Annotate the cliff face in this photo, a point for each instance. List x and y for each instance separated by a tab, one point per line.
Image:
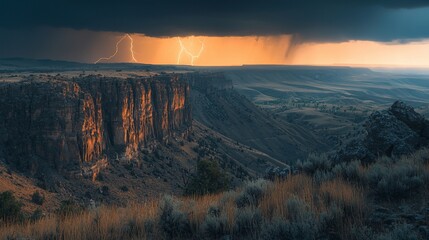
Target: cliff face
72	124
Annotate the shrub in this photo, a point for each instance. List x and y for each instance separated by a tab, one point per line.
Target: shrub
149	226
421	156
291	230
36	215
252	193
10	208
362	232
131	229
37	198
173	222
298	210
277	229
321	176
348	171
314	163
213	211
395	181
105	190
124	189
303	223
214	227
69	207
209	178
247	223
330	223
400	232
228	196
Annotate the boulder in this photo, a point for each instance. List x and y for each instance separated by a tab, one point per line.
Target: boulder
397	131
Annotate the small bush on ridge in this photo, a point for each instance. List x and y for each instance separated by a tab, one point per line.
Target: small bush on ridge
10	208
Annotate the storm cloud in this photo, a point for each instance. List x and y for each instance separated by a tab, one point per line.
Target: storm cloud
311	20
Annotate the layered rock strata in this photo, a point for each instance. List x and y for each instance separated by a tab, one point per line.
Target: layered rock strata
74	123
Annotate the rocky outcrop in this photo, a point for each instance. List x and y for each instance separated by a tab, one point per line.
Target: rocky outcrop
73	124
394	132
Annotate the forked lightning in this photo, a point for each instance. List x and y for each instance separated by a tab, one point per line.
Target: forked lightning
117	49
183	49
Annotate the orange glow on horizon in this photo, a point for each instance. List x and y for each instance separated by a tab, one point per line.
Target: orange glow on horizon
233	51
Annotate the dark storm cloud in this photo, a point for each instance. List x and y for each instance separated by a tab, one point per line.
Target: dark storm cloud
311	20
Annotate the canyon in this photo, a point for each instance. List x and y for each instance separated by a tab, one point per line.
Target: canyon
74	124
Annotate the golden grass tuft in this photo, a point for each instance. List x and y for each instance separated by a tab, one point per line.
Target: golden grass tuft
109	222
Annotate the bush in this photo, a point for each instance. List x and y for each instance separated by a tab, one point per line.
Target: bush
277	229
36	215
124	189
348	171
173	222
421	156
321	176
213	211
252	193
37	198
362	232
247	223
303	223
291	230
214	227
69	207
315	163
131	229
149	226
395	181
10	208
400	232
330	222
209	178
105	190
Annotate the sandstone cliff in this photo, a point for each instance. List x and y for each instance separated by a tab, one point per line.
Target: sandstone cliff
74	124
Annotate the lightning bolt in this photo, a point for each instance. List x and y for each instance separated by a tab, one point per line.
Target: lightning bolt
117	49
183	49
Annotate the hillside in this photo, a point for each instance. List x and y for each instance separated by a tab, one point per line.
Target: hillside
329	101
351	202
110	139
233	115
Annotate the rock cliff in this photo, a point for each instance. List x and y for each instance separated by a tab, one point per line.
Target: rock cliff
396	131
74	124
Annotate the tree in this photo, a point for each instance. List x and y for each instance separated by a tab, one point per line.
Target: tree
37	198
209	178
10	208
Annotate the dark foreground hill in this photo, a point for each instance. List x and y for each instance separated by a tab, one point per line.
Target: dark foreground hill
379	201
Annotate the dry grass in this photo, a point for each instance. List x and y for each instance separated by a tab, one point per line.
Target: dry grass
350	197
197	207
102	223
23	188
130	222
334	206
273	204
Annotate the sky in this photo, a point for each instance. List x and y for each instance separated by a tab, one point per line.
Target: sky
222	32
